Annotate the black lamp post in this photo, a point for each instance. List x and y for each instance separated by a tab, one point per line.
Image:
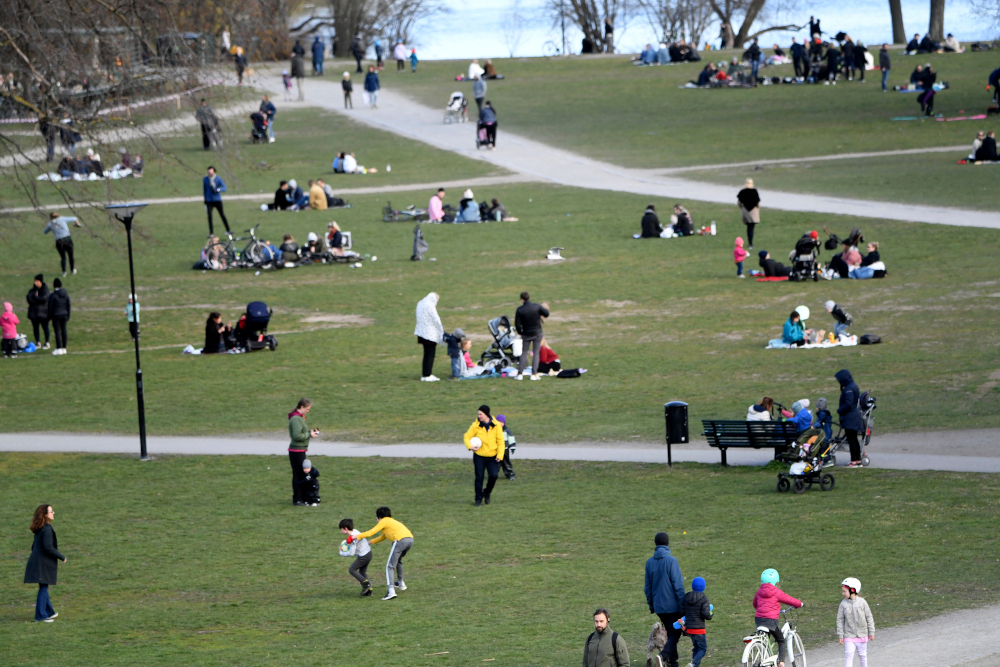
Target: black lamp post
124	213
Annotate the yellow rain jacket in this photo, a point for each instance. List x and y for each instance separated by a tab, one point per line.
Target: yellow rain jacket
492	439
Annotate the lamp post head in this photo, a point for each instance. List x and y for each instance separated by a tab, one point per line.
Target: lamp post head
124	212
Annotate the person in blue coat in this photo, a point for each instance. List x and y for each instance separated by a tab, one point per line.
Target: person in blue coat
372	87
850	415
213	186
269	110
318	49
665	595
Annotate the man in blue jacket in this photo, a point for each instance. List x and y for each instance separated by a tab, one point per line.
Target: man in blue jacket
665	595
213	187
318	49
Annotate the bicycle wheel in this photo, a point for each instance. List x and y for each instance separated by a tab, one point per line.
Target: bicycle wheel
755	654
253	253
221	252
798	651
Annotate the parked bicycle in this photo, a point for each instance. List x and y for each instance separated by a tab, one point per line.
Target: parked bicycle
226	255
761	649
389	214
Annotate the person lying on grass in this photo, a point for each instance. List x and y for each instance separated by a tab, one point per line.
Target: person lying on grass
772	269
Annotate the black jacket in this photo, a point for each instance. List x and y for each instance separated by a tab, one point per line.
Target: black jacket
774	269
59	305
38	302
753	53
859	56
684	226
798	51
310	485
43	563
849	53
298	49
651	227
841	315
850	416
870	258
695	610
884	61
528	319
988	151
749	198
913	45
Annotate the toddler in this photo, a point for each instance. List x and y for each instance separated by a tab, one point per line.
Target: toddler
509	446
842	318
855	625
286	81
455	341
413	60
697	610
310	484
739	254
824	419
9	322
362	553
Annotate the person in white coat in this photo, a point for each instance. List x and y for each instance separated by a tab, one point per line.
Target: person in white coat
760	412
475	70
399	53
429	333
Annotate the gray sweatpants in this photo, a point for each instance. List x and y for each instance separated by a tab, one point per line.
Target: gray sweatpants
394	566
536	343
359	568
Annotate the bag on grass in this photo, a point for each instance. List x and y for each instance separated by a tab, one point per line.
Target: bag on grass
569	373
870	339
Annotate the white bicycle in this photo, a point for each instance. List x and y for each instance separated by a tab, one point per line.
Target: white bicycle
762	651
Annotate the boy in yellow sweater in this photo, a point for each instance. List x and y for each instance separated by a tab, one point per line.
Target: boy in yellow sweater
402	541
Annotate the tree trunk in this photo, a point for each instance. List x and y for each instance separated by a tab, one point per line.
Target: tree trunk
752	11
898	31
727	35
936	28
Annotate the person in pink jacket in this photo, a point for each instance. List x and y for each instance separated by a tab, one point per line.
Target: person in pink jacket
767	602
8	323
739	254
435	209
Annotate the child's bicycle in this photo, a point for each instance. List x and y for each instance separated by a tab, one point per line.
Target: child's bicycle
762	651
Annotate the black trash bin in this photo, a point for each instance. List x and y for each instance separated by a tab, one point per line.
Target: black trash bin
676	413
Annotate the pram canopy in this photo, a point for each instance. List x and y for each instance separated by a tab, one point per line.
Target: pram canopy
258	315
456	101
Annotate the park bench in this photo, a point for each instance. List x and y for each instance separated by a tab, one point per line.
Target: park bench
725	434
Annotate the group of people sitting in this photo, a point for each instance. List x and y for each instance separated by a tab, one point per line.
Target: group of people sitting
290	197
984	148
676	52
315	249
468	210
91	168
928	45
849	263
681	224
795	334
346	163
478	72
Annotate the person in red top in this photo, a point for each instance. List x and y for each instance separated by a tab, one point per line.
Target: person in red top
767	602
548	359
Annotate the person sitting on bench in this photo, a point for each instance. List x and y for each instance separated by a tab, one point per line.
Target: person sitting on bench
760	412
772	269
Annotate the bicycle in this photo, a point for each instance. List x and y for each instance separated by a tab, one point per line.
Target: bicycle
389	214
226	255
761	649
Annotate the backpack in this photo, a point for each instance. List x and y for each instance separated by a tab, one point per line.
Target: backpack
569	373
614	644
870	339
832	243
484	211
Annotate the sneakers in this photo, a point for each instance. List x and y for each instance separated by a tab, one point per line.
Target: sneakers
46	346
299	503
367	593
430	378
391	595
519	377
659	661
401	586
485	500
270	140
535	377
741	276
74	272
855	464
53	616
479	503
59	351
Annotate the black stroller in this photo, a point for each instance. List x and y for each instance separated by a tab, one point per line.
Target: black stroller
804	259
258	133
251	330
501	353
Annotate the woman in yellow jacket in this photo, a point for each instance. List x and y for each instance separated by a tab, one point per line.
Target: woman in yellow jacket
485	439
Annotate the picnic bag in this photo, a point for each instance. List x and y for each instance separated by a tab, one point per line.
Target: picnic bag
870	339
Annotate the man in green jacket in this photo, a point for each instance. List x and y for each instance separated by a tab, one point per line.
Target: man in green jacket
299	445
604	648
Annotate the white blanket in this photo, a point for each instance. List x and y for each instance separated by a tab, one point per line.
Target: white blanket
843	341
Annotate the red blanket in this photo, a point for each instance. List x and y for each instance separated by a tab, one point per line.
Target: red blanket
772	279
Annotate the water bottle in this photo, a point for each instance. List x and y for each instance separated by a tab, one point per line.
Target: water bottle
388	167
713	228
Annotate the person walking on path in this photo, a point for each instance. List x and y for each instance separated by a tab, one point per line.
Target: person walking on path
884	64
798	58
43	563
850	416
59	226
604	648
528	323
429	333
318	49
749	203
209	122
665	595
269	110
855	625
298	49
299	73
399	53
372	86
241	65
402	542
59	312
348	87
299	446
358	51
479	92
38	309
485	440
8	325
212	187
379	63
488	118
609	35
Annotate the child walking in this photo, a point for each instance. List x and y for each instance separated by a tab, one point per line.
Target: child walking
739	254
855	625
362	553
767	602
286	82
402	542
348	89
309	483
697	609
8	323
413	60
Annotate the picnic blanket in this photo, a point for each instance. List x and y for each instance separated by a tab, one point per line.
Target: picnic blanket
771	279
843	341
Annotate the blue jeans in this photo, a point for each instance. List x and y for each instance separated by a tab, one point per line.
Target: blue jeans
700	643
318	65
739	268
456	366
303	201
839	329
43	606
270	128
885	77
753	70
862	273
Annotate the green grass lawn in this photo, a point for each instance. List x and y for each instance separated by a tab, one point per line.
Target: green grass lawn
307	141
174	562
653	321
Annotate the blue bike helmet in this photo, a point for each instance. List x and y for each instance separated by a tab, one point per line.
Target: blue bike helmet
769	576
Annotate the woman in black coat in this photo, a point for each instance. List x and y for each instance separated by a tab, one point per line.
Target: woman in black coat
43	563
38	309
749	203
850	415
651	228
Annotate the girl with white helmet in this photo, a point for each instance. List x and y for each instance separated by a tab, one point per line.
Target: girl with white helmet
855	625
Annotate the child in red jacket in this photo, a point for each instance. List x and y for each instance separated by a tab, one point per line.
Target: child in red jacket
739	254
9	322
767	602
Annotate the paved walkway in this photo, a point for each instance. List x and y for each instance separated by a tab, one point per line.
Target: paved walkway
405	117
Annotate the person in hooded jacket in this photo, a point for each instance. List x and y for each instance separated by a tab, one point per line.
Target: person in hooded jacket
665	594
38	309
43	563
697	609
651	227
59	312
767	602
850	415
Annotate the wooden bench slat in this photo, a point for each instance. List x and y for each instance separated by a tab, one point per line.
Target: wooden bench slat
757	435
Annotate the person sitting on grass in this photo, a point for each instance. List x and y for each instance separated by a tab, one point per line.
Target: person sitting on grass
498	209
651	227
282	198
334	238
843	318
842	263
977	142
315	248
299	199
761	412
917	77
317	198
987	152
772	268
706	76
289	249
491	71
913	45
468	209
872	256
683	225
794	335
215	335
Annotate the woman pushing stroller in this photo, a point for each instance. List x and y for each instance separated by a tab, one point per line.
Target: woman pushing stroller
488	124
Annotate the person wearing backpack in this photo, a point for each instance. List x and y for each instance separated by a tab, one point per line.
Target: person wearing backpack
850	415
604	647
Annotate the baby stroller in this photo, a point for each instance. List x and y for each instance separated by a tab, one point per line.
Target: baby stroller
808	461
506	347
457	109
482	137
258	134
804	264
866	405
251	330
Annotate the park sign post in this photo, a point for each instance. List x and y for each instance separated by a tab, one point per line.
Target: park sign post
124	213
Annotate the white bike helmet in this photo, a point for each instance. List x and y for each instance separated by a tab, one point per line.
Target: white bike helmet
852	584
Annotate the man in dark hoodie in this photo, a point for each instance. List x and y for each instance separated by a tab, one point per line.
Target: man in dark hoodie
697	610
850	415
38	309
59	311
772	268
651	227
665	595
